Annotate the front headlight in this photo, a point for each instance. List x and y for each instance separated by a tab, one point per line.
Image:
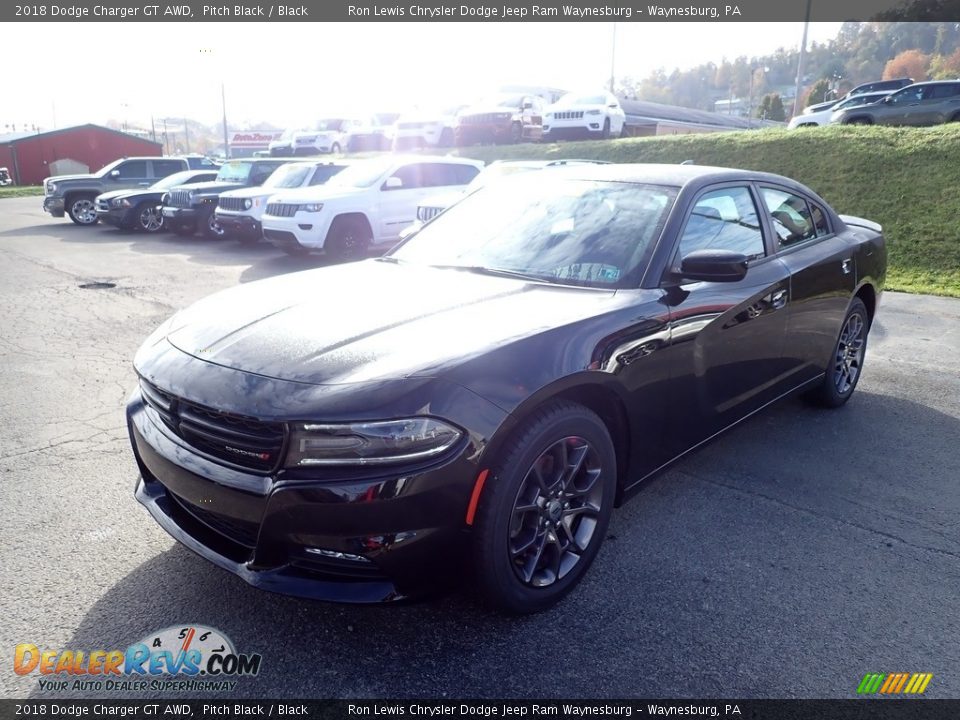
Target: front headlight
51	188
165	199
192	196
312	207
247	204
124	202
594	112
370	443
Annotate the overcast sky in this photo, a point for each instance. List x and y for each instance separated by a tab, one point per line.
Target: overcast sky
291	74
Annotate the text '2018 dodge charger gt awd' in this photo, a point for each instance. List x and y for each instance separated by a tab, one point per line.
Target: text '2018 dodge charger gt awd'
485	394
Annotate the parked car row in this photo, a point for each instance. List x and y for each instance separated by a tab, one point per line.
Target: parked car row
917	104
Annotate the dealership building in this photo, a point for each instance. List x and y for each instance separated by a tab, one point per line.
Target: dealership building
31	157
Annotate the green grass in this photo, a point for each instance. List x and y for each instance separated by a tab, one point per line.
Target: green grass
906	179
17	191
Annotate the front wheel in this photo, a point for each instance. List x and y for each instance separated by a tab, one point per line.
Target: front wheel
846	364
149	219
82	210
349	239
605	133
545	509
209	225
335	149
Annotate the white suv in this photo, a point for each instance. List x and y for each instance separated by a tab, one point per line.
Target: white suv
369	203
578	115
426	129
239	211
331	136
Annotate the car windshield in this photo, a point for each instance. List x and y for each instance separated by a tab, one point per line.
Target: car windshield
571	232
363	174
864	99
288	176
179	178
330	124
234	172
105	170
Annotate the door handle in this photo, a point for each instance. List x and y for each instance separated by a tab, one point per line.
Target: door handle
778	299
846	266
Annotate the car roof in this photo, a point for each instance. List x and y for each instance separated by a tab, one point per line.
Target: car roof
663	174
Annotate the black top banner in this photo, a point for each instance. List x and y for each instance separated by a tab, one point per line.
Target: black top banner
486	11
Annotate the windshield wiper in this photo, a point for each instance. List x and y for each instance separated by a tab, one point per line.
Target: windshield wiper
499	272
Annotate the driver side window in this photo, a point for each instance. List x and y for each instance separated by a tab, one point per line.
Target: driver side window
724	219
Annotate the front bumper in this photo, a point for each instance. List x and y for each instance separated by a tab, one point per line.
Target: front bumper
305	230
407	526
56	206
497	132
575	128
236	225
118	217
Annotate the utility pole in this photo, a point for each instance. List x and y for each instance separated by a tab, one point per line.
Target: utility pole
803	50
613	58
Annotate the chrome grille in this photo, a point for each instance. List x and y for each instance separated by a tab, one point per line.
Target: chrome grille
282	209
427	213
234	439
482	118
231	203
180	198
568	115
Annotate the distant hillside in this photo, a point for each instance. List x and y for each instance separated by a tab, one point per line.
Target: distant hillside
903	178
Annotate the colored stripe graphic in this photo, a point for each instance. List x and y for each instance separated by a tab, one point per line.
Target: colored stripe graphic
894	683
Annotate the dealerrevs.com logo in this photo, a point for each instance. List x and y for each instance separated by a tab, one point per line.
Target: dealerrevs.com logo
184	658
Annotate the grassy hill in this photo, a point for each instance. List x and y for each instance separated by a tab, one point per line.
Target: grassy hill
906	179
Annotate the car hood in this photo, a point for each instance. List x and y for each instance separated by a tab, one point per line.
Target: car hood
252	192
442	200
118	193
485	109
315	193
67	178
210	186
369	321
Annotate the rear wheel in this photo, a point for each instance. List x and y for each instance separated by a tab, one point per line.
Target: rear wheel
860	121
81	210
349	239
846	363
149	219
516	132
545	509
335	148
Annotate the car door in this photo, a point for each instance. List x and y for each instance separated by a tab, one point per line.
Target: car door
397	200
941	105
726	338
128	174
901	108
822	278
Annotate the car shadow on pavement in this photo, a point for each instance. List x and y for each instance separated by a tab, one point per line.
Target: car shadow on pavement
743	560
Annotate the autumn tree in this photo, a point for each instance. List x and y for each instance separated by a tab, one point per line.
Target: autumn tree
771	108
910	63
945	67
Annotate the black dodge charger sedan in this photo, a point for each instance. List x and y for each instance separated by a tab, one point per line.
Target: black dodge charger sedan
485	394
137	209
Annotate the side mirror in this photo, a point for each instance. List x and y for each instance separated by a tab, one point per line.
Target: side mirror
714	266
393	183
888	98
114	173
613	105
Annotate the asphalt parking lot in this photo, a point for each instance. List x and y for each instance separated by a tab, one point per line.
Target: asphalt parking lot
789	558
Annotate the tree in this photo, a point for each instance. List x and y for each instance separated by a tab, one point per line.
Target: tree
818	93
771	108
909	63
945	67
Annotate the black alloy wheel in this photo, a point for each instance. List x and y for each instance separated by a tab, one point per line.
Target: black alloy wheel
348	239
545	509
846	364
208	223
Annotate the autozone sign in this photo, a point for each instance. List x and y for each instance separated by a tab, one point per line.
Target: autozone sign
254	139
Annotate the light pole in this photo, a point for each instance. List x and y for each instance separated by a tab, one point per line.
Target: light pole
753	71
803	50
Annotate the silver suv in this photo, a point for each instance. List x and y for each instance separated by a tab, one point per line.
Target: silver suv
926	103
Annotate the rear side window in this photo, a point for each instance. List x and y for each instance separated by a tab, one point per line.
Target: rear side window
793	221
162	168
445	174
724	220
947	90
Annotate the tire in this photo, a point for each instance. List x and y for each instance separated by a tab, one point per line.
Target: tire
846	363
349	239
523	563
335	148
81	210
446	138
148	218
209	225
605	133
860	121
516	133
184	229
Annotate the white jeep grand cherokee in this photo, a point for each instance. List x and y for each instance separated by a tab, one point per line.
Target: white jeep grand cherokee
579	115
367	204
239	212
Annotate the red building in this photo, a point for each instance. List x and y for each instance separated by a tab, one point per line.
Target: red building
80	149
